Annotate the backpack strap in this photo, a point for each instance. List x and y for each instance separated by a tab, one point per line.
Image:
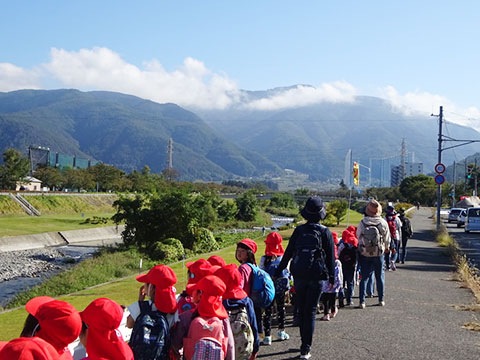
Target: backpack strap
145	307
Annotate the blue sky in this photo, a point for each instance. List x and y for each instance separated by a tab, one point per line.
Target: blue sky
417	54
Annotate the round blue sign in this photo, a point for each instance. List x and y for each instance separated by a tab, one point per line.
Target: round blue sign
439	179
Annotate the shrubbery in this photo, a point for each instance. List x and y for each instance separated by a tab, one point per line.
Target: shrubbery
169	250
204	241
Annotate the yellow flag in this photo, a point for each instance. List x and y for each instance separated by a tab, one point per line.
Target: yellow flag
356	173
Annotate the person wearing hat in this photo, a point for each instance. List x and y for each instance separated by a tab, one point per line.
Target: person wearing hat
159	287
395	227
269	262
55	321
100	334
28	348
347	254
196	271
307	239
235	300
207	293
407	232
373	241
245	254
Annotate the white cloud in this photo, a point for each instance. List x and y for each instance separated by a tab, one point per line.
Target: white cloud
426	103
301	95
14	78
100	68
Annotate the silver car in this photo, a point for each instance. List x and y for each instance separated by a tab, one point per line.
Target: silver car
453	214
461	218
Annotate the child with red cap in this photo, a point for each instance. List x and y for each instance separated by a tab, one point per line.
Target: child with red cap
204	333
28	348
347	254
160	312
216	260
270	262
330	291
239	306
245	254
100	334
55	321
196	271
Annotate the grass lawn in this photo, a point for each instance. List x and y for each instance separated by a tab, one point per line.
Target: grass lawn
13	225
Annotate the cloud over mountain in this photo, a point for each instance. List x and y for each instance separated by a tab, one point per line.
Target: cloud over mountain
193	85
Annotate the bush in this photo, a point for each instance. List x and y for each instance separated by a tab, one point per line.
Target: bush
204	241
329	220
168	250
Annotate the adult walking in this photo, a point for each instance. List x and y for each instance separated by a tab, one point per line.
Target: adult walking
373	241
407	232
312	251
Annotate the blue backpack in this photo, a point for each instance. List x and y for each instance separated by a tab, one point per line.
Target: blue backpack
150	337
263	289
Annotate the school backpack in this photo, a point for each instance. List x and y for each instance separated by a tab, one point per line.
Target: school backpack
263	288
150	339
309	256
348	256
205	340
372	239
242	333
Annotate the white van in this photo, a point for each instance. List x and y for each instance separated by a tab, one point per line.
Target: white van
472	222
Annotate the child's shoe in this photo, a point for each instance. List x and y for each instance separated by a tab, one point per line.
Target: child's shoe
326	317
267	340
333	314
282	335
341	304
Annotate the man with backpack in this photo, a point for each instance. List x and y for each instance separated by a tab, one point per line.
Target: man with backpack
312	251
373	241
407	232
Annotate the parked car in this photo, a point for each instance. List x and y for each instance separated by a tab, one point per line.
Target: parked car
472	222
453	214
461	218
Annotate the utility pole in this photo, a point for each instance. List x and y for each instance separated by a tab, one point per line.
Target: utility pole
454	182
439	187
475	169
403	161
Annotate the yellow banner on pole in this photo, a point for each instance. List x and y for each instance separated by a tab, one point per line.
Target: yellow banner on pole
356	173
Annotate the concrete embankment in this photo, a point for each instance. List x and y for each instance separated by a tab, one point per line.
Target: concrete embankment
94	237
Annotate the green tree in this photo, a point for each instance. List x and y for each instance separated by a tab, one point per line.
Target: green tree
338	209
247	205
283	200
105	176
227	210
419	188
15	168
50	177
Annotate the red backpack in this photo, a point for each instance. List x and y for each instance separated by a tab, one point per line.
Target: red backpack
391	226
205	340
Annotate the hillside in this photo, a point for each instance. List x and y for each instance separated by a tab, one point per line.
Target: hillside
314	139
124	131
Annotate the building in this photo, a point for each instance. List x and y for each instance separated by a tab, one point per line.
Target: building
29	184
411	169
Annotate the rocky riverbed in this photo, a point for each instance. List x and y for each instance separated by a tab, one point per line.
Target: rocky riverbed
21	270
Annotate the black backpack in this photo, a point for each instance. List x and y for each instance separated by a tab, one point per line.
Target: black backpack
309	257
348	255
150	339
407	227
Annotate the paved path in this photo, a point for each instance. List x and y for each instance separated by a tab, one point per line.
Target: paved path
419	321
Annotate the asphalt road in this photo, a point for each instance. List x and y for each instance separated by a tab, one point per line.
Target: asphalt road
420	319
469	243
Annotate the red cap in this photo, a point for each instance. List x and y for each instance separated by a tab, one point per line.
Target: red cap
252	245
350	238
210	304
33	348
216	260
60	323
274	244
352	229
198	270
104	341
335	237
232	278
163	278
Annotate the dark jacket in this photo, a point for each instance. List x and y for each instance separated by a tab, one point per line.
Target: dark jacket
233	304
327	245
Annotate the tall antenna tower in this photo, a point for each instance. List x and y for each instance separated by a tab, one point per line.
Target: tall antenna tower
403	166
170	154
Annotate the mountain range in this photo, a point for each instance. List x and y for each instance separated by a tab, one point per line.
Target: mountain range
130	132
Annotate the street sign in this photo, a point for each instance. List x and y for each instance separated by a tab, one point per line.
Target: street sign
439	179
439	168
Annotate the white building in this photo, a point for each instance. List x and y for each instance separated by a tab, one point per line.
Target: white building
29	184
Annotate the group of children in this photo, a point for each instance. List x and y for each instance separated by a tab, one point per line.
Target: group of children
213	318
